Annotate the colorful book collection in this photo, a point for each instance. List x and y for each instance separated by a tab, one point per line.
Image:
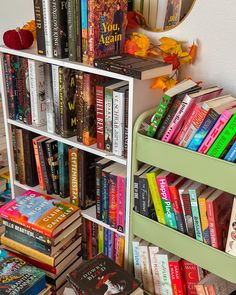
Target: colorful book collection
164	273
98	239
200	120
44	232
81	30
197	210
68	102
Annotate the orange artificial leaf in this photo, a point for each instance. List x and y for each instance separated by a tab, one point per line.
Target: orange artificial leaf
160	82
30	26
153	52
193	52
168	44
170	83
130	47
185	59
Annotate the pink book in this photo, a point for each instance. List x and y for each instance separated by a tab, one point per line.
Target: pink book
215	131
186	107
121	197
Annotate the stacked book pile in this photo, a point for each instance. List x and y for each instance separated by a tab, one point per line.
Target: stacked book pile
46	233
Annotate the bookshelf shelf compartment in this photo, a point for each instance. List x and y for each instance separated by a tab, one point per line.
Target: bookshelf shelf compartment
213	260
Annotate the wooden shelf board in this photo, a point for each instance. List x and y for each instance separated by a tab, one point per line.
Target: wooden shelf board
32	54
207	257
72	141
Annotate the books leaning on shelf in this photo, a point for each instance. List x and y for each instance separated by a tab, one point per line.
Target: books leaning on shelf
161	272
45	232
188	206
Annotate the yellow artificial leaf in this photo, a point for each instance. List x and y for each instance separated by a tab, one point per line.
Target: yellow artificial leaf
153	52
159	82
185	59
168	44
170	83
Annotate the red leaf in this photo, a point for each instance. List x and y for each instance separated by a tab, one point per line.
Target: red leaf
172	59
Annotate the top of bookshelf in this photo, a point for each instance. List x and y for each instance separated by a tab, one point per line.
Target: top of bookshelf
32	54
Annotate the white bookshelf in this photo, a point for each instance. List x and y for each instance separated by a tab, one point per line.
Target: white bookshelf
141	97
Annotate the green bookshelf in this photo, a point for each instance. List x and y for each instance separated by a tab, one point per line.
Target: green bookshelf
211	171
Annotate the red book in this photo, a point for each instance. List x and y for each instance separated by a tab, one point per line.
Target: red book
219	207
177	276
89	238
193	274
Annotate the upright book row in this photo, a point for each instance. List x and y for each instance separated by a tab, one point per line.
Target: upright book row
190	207
80	29
68	102
200	120
164	273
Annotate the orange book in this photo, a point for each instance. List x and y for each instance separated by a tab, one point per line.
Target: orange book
42	184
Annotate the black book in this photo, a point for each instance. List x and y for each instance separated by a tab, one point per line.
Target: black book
52	158
137	67
38	12
101	275
59	28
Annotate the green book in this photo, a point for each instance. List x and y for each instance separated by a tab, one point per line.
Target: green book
223	139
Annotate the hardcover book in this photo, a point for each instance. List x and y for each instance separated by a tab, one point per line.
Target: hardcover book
18	277
38	12
63	166
79	78
49	218
135	67
52	158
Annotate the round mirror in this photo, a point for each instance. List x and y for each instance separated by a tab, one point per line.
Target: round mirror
161	15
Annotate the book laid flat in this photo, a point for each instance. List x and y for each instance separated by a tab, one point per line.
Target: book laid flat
133	66
18	277
40	213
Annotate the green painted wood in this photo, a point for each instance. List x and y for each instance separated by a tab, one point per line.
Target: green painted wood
207	257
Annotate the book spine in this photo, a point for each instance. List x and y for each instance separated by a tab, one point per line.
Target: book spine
100	117
146	269
118	123
20	155
153	251
108	119
193	274
45	167
126	129
162	184
120	248
50	114
231	155
204	220
52	157
89	241
98	192
105	197
72	34
187	212
212	224
137	261
27	117
42	184
223	139
47	27
91	31
63	170
17	87
181	112
203	130
56	97
136	194
112	200
100	239
195	213
164	272
110	244
78	32
38	12
16	168
94	239
84	25
230	239
176	203
74	175
84	240
121	198
79	105
37	92
215	131
177	280
143	197
151	178
106	233
161	110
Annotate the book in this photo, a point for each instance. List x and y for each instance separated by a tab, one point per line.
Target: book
63	169
84	29
165	104
78	32
19	276
52	215
136	257
72	28
26	106
136	67
106	28
219	207
79	78
52	158
177	276
46	9
153	252
172	16
231	154
56	97
161	13
109	276
164	271
20	156
193	274
121	201
38	13
73	155
50	113
42	184
230	244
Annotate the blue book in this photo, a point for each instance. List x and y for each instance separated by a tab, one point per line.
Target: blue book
18	277
63	169
231	155
110	244
84	25
106	239
203	130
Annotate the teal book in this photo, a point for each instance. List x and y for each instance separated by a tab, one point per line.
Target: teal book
63	169
18	277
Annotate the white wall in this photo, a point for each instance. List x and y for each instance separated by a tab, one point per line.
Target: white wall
14	13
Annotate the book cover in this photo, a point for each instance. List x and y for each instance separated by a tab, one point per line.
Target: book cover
230	244
172	16
56	97
136	257
153	251
38	13
79	78
49	217
231	154
46	10
63	169
50	113
42	184
52	158
164	271
193	274
19	277
177	276
108	277
106	28
163	179
67	94
121	201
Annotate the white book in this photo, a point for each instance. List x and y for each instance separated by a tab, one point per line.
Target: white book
161	14
153	13
50	115
146	267
231	239
136	258
37	92
164	271
47	27
146	9
153	251
56	96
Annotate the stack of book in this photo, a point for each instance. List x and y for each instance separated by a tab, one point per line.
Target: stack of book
46	233
199	120
161	272
188	206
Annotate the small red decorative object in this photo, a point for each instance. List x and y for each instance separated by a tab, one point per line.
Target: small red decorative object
18	39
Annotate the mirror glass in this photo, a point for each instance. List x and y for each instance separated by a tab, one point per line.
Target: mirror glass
161	15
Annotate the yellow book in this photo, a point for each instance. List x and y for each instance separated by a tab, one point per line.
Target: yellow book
120	250
203	214
100	239
151	178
